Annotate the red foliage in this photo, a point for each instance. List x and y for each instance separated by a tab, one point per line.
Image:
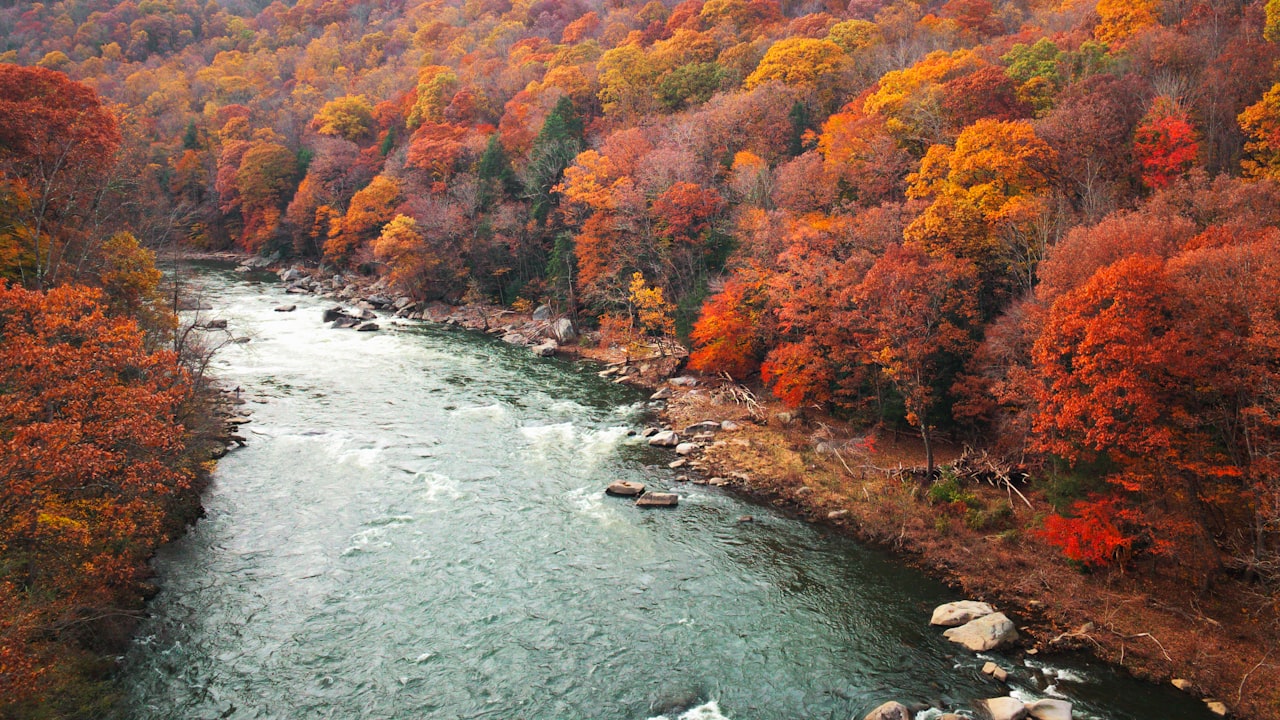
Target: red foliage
730	335
1092	536
1165	146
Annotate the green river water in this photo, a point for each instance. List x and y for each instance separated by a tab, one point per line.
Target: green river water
417	529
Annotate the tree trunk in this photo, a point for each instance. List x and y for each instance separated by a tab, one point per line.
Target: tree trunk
928	448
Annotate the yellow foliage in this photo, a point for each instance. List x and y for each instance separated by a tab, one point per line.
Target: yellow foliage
798	61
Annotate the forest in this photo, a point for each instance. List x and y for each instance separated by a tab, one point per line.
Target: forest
1047	227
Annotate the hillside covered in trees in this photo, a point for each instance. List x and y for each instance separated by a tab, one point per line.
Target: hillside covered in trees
1051	227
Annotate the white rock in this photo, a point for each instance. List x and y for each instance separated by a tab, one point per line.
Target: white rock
955	614
985	633
546	349
1049	709
665	438
1216	707
1004	708
729	426
685	448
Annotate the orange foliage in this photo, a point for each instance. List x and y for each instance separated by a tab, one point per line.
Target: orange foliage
89	438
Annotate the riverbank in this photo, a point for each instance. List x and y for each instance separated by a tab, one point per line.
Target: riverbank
980	538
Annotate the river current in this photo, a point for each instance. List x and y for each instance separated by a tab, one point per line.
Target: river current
417	529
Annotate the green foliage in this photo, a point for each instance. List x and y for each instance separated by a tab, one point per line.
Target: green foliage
555	147
689	85
948	491
497	178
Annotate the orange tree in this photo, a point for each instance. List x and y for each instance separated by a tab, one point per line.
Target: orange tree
90	443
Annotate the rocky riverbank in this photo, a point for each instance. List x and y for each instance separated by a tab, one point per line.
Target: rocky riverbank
975	529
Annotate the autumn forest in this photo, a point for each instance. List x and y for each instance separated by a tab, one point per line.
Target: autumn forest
1050	228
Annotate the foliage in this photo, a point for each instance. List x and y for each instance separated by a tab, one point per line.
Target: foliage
90	446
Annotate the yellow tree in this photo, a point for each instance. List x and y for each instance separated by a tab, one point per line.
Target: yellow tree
801	62
1121	19
983	191
1261	123
349	117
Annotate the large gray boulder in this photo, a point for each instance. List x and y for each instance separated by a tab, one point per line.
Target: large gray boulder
1004	708
955	614
986	633
562	330
542	313
892	710
1049	709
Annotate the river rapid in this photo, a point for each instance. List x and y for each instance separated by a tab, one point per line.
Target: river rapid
417	529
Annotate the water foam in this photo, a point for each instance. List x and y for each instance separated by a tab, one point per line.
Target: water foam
706	711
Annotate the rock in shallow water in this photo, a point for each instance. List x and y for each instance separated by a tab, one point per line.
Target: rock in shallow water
658	500
1049	709
891	710
625	488
665	438
985	633
1004	708
958	613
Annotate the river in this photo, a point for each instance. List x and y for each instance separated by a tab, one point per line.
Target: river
417	529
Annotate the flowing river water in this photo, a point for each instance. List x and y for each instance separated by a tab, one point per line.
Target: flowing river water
417	529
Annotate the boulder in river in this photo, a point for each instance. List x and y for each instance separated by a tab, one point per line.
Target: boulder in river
654	499
892	710
986	633
954	614
333	313
219	324
368	327
286	308
1004	708
1049	709
995	671
345	321
625	488
665	438
546	349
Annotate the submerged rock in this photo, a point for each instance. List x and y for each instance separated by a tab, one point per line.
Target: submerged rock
986	633
954	614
